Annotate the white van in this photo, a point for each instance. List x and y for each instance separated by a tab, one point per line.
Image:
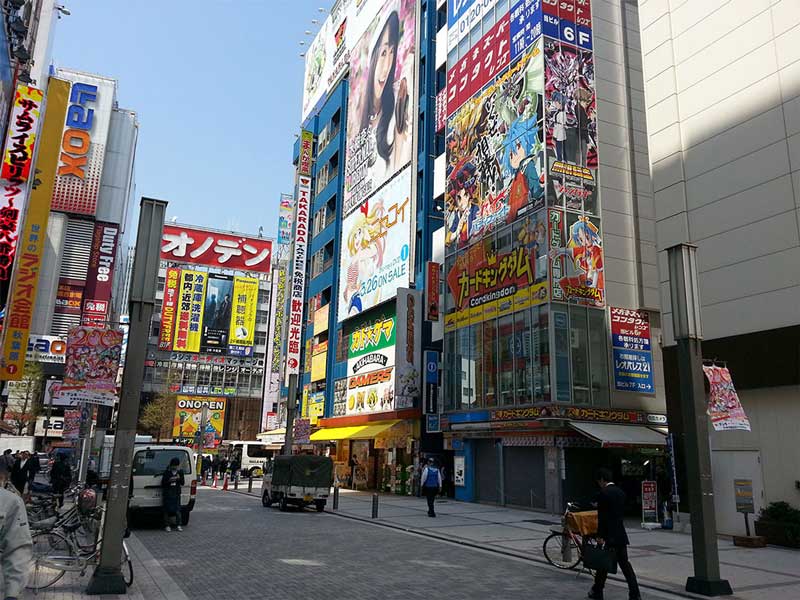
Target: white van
253	455
149	463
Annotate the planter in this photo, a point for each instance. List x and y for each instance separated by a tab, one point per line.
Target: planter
779	533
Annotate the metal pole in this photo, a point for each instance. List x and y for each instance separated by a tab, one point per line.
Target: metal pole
375	505
107	577
49	415
291	407
335	497
250	483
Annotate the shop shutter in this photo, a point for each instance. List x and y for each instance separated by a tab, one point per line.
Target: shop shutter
77	249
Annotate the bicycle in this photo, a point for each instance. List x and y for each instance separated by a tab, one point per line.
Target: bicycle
59	549
564	547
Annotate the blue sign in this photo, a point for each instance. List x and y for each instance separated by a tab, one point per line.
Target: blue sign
525	24
630	342
455	9
566	31
431	366
633	371
433	424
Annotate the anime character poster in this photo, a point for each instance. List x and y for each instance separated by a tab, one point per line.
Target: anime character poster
380	109
375	256
571	127
495	154
576	258
92	365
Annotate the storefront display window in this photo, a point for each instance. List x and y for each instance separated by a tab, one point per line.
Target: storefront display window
599	357
541	344
561	331
505	326
490	363
579	348
523	361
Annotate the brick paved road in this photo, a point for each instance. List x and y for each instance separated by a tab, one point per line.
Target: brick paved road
235	548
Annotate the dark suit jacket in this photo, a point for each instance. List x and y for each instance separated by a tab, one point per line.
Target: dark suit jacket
20	475
610	511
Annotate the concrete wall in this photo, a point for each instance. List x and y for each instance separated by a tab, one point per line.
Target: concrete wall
722	88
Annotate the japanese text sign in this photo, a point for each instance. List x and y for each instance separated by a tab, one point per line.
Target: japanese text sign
100	276
526	25
306	145
168	308
633	371
630	329
569	21
188	245
297	285
277	335
243	316
189	317
90	374
22	131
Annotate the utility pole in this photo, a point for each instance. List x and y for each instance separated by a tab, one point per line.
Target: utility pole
291	407
107	577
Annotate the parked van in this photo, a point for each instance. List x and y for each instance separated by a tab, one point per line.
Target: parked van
252	455
149	464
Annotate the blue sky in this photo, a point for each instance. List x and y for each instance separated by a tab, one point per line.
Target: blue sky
217	86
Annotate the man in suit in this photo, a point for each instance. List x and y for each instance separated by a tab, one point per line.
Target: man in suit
611	532
23	471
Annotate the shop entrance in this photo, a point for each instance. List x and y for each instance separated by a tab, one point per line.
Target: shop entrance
523	476
487	480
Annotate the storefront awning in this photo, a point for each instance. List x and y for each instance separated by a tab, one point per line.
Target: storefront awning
357	432
610	435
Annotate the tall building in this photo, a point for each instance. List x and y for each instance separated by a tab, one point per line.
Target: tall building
722	89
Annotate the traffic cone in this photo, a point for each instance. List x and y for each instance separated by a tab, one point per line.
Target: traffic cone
215	481
225	483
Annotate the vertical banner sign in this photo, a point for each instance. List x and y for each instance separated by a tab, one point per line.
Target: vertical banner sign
217	314
298	282
431	382
277	336
285	221
25	278
433	271
168	308
191	297
243	316
83	143
649	502
408	351
633	359
100	276
90	373
724	408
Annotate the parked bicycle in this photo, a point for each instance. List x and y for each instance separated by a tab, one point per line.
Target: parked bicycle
564	547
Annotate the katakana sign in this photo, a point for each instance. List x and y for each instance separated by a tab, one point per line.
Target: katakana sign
630	329
182	244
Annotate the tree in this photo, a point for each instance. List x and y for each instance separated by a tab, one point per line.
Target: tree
157	414
24	399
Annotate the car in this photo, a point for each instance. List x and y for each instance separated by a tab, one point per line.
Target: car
149	463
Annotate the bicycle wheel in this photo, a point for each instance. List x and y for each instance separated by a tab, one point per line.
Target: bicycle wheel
52	552
561	551
127	565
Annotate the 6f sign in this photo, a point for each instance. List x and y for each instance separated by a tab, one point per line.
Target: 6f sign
76	140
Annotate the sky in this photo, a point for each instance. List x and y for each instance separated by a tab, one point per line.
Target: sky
217	86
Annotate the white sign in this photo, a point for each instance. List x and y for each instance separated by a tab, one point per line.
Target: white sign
462	16
458	470
54	430
297	284
46	349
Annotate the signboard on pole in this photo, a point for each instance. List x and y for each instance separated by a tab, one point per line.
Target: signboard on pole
431	382
743	491
90	373
649	502
433	271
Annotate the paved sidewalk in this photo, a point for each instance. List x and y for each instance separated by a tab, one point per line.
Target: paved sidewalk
662	559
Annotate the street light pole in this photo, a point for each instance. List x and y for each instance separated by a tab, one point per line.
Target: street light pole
688	333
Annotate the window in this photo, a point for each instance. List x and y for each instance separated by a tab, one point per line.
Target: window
579	349
260	338
155	462
217	375
598	355
561	350
322	139
505	326
523	363
317	262
342	346
256	451
204	375
490	362
541	344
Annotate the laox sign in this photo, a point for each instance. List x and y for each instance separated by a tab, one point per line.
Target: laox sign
76	140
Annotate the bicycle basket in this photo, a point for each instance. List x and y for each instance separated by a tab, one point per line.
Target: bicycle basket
87	501
584	522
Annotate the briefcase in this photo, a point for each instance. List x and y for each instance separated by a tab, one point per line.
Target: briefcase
599	558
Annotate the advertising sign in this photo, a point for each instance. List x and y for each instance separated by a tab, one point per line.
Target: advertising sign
72	423
408	351
433	272
277	335
52	394
319	362
298	283
724	408
184	244
285	223
743	492
316	407
321	316
649	502
54	429
433	423
370	365
576	252
381	104
217	314
462	16
188	319
526	25
169	305
100	275
630	329
495	151
25	278
83	143
46	349
459	470
633	371
69	297
188	416
375	252
243	318
569	21
431	382
90	373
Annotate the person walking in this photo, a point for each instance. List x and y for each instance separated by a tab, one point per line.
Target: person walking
16	548
611	533
431	484
22	472
60	477
171	484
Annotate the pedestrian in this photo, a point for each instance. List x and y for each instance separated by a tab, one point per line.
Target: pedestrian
353	469
22	472
223	467
215	465
235	466
171	485
60	477
16	548
611	534
431	484
6	462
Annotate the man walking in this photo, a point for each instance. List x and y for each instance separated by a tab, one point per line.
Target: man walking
22	472
431	484
172	482
611	532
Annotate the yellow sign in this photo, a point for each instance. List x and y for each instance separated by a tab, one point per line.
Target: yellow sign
321	319
243	315
188	414
318	366
189	316
30	246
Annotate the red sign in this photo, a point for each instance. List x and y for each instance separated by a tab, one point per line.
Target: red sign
298	283
480	65
630	329
100	275
168	307
441	110
196	246
69	298
434	272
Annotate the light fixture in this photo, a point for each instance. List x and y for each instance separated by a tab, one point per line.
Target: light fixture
63	10
302	55
684	291
302	43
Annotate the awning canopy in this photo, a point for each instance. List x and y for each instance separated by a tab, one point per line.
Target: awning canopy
610	435
356	432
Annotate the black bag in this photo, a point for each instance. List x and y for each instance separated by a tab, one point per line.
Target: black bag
599	558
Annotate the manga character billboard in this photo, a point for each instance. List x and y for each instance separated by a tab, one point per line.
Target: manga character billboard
571	126
380	109
375	255
92	365
495	154
576	258
217	314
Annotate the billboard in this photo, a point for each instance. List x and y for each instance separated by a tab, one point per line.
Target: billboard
188	414
169	305
92	364
69	298
576	258
370	365
316	406
278	313
375	256
380	108
285	222
46	349
495	155
184	244
22	298
83	142
100	275
243	316
462	16
217	314
408	350
189	316
297	285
